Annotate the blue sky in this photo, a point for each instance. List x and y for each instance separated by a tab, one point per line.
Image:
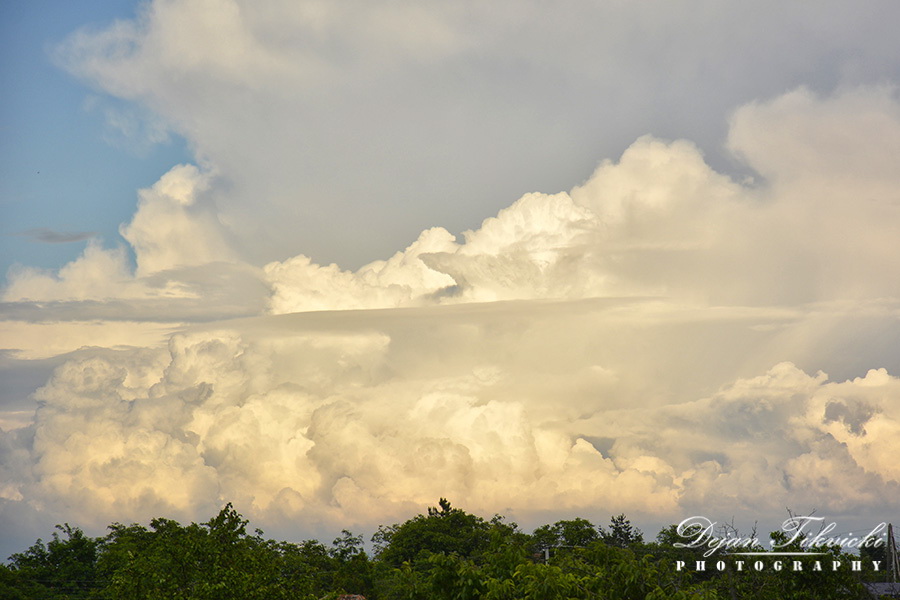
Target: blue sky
58	169
354	256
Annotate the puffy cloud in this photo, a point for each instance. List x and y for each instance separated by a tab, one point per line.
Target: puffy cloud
306	419
659	196
168	232
661	221
769	441
97	273
401	116
862	416
653	341
345	421
403	280
184	270
839	146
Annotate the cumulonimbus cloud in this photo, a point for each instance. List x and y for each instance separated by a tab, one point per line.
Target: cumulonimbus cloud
650	341
405	116
818	226
312	417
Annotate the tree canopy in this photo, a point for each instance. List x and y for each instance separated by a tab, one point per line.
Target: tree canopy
444	554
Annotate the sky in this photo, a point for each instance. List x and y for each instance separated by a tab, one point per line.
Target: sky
332	261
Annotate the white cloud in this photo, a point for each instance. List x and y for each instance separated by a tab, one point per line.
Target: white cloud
39	340
763	443
170	229
346	420
660	197
184	271
660	221
353	125
518	365
98	273
402	280
833	144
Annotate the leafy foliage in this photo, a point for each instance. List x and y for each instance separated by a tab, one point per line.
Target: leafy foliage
444	530
445	554
65	567
622	533
567	533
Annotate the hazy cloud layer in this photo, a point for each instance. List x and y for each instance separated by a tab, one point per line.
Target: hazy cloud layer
343	128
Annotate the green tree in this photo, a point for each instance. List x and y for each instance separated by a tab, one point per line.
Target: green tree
66	567
216	560
576	532
622	533
446	554
306	569
16	585
354	571
444	530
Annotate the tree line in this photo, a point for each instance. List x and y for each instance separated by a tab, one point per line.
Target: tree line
445	554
